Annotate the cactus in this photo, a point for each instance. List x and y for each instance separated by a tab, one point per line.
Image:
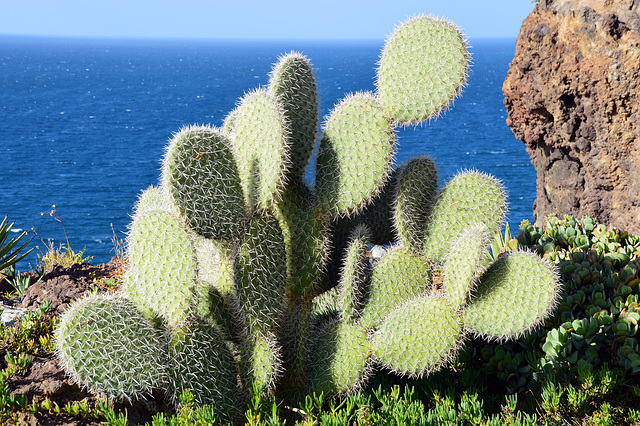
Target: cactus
107	344
245	278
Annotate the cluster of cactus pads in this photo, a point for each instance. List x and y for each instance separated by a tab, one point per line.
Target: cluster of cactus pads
245	278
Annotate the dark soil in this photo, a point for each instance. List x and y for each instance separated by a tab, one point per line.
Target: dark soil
44	378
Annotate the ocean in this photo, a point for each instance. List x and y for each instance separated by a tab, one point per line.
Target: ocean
85	121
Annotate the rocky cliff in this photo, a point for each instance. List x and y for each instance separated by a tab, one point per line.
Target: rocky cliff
573	97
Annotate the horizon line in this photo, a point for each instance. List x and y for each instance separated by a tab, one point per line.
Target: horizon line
204	39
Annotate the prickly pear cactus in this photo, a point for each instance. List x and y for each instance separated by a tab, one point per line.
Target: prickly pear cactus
244	277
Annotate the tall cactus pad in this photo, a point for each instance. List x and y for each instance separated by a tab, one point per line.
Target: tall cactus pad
261	146
398	277
202	362
515	294
422	69
470	197
162	272
355	155
354	273
341	359
305	237
262	274
292	83
106	344
415	196
295	338
200	174
463	264
403	344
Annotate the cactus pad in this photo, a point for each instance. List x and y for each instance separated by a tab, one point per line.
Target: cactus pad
340	361
416	192
463	264
398	277
202	362
261	145
470	197
105	343
355	155
403	344
422	68
162	273
292	83
200	174
354	275
514	295
262	273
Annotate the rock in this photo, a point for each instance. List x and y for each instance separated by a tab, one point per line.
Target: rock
10	314
62	286
573	97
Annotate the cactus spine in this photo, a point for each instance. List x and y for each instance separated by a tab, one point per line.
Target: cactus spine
243	277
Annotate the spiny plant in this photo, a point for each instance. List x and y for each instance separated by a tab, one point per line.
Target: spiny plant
246	278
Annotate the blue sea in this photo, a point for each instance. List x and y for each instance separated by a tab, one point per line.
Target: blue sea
84	122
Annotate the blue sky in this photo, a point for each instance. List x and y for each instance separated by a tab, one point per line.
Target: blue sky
326	19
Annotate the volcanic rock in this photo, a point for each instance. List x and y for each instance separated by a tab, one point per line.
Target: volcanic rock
573	97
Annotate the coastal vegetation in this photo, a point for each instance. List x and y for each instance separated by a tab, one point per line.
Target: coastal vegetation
579	367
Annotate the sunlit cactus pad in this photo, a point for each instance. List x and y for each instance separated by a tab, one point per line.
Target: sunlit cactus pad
423	67
106	344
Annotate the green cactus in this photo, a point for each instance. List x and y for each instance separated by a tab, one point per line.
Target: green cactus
470	197
263	166
293	84
416	191
463	264
341	360
162	274
262	274
513	296
305	238
405	346
355	155
200	174
106	344
422	69
260	282
400	276
200	360
352	282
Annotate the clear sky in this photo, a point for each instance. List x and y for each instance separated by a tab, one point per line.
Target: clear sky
326	19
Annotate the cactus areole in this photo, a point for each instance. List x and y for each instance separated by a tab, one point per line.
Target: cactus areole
244	278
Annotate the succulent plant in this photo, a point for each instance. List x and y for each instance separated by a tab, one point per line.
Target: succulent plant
243	276
9	253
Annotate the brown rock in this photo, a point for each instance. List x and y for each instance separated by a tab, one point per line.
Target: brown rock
62	286
573	97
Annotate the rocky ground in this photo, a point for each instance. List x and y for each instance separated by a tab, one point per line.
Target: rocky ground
44	378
